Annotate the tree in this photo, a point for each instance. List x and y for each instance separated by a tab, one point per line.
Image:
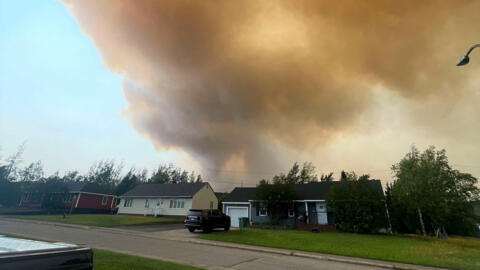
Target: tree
173	175
426	186
10	191
33	172
326	177
358	206
296	175
273	196
131	180
106	174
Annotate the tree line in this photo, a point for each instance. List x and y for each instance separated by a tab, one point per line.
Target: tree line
427	196
15	179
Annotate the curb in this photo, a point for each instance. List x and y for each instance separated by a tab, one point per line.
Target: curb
276	251
322	257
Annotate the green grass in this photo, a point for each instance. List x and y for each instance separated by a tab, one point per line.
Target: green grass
103	260
99	220
454	252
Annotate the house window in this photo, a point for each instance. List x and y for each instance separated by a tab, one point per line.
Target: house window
211	205
104	200
128	203
291	212
147	203
263	212
177	203
68	198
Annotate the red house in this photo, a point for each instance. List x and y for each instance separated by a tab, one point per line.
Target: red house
81	197
87	196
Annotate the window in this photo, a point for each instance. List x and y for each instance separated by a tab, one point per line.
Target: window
263	212
177	203
147	203
291	212
128	203
104	200
211	205
68	197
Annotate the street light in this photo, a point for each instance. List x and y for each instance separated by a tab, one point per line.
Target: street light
465	59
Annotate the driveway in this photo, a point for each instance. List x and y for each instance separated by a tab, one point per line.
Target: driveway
169	249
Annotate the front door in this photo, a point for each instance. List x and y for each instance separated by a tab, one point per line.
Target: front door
157	208
321	213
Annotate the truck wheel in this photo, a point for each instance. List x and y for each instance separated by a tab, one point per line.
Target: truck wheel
191	229
227	228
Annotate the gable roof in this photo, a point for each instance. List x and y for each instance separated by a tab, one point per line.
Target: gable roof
164	190
85	187
310	191
241	194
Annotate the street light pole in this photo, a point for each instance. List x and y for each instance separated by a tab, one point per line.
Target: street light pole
465	59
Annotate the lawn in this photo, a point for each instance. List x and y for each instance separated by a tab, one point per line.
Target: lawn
103	259
99	220
454	252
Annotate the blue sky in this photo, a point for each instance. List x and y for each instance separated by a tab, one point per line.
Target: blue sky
56	95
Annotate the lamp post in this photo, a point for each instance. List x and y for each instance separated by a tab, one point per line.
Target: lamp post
465	59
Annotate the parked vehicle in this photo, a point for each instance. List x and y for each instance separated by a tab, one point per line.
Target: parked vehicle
206	220
20	254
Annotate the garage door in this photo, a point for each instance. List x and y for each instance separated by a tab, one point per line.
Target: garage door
235	213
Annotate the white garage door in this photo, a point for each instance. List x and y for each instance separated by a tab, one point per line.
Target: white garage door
235	213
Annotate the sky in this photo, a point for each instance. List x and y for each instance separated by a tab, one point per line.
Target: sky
239	91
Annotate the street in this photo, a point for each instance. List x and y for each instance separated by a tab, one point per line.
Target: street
209	257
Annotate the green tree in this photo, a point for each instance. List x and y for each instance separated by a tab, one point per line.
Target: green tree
33	172
131	180
10	188
275	197
106	174
296	175
358	206
326	177
426	185
173	175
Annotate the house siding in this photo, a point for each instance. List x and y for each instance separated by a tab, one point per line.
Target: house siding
203	197
94	201
138	206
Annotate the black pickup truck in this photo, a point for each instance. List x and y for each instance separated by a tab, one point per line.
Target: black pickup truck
19	254
206	220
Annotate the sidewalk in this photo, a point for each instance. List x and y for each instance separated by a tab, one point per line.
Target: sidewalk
186	237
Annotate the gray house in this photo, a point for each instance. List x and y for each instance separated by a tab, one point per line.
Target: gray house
308	208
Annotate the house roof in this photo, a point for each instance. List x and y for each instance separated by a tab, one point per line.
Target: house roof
165	190
310	191
241	194
85	187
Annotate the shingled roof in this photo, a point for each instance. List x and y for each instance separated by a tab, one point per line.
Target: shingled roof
310	191
165	190
85	187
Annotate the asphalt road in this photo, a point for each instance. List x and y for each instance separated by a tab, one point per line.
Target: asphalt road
210	257
154	227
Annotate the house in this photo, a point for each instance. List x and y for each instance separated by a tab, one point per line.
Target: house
88	197
309	207
167	199
78	196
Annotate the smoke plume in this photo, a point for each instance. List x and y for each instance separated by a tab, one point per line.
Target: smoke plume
230	81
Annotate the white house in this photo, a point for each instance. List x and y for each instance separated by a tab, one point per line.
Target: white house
167	199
